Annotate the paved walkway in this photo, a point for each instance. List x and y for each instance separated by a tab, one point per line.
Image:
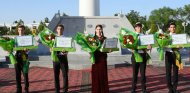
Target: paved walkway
41	80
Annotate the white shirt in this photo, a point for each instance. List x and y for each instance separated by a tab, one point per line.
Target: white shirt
140	50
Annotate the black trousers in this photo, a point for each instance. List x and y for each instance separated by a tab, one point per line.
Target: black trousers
136	66
170	63
18	70
63	65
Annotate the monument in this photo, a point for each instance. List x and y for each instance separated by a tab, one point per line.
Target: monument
89	17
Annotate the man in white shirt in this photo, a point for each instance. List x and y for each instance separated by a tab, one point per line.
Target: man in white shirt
139	65
20	64
61	64
170	62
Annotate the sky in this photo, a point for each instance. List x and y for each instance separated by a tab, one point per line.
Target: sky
37	10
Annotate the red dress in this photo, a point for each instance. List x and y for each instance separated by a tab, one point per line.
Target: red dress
99	73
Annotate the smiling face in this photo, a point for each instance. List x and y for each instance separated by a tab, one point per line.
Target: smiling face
171	28
21	31
99	31
138	29
59	30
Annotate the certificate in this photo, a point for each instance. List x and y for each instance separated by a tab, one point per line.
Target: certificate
64	43
179	39
24	41
146	39
109	44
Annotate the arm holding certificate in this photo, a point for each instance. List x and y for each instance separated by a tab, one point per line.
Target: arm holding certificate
178	41
146	42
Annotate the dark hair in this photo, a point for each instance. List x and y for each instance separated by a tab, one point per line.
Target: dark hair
138	24
171	23
21	26
99	25
60	25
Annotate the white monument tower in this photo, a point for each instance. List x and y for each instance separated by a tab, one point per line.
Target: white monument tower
89	8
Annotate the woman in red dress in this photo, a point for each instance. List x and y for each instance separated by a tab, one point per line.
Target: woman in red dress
99	68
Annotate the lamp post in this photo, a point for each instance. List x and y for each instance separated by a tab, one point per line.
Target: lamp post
184	24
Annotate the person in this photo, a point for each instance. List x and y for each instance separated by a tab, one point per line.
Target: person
61	64
99	68
21	56
139	65
171	64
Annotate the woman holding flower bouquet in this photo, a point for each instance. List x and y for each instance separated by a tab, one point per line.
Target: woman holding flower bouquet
21	56
139	65
99	68
170	62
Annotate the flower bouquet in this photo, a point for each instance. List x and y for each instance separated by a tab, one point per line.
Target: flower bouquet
129	39
47	38
8	44
89	44
163	40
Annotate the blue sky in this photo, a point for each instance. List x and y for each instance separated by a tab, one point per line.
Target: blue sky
37	10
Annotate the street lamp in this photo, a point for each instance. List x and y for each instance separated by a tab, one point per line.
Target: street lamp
171	17
184	24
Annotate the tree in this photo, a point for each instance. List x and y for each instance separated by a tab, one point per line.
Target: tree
41	26
46	20
14	31
186	10
153	28
116	14
27	31
161	15
165	15
134	16
3	30
184	14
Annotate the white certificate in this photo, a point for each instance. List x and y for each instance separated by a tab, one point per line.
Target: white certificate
63	42
146	39
110	43
179	39
24	40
